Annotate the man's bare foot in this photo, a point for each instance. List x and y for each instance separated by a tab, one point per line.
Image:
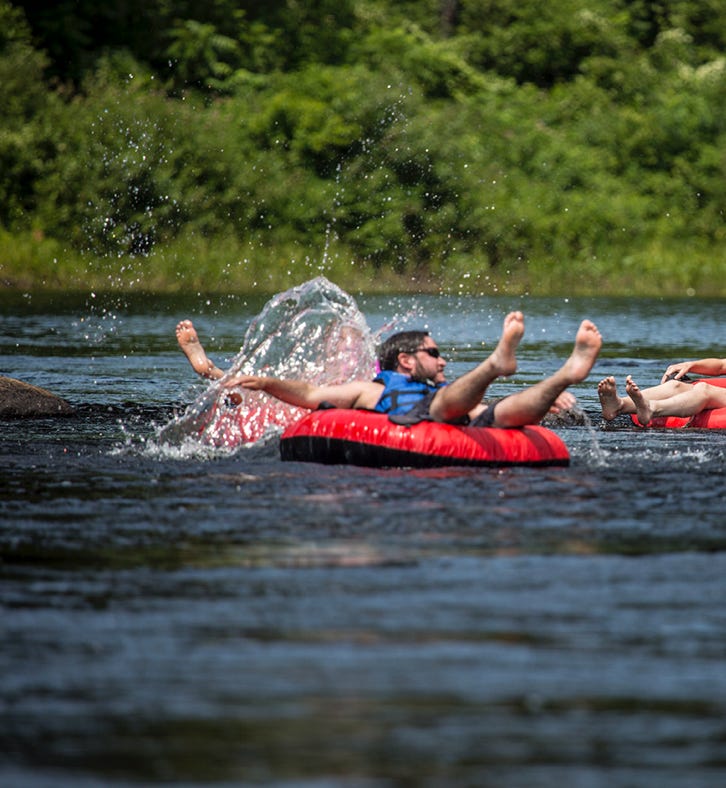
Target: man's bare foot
643	408
611	403
503	359
587	346
186	336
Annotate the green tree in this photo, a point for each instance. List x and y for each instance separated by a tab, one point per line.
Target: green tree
23	97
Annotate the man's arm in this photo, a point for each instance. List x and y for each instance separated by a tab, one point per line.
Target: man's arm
703	366
358	394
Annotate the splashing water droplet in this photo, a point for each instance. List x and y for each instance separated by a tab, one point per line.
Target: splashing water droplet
313	332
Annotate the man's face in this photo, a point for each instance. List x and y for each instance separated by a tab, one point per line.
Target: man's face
427	366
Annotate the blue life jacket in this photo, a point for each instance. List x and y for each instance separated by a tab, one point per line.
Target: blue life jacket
401	393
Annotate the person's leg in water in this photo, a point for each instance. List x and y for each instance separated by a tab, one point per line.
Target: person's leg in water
465	393
190	345
698	397
612	404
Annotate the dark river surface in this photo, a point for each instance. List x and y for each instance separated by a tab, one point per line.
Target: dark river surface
192	616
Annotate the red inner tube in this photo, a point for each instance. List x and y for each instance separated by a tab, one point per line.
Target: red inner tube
714	419
361	437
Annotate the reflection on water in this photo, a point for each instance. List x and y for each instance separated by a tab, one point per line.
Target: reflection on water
187	615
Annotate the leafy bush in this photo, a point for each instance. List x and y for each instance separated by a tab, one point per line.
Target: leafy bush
464	141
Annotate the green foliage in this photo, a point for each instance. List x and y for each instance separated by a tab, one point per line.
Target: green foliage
536	42
436	66
470	144
23	97
702	21
313	118
203	57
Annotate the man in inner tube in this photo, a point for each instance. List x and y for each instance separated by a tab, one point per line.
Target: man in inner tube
674	396
417	390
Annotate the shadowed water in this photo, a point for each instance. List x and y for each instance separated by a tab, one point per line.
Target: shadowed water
191	615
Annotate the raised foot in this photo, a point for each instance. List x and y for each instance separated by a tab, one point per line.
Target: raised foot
587	346
504	359
643	408
186	336
610	401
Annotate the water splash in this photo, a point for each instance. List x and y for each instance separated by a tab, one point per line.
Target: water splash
313	332
597	455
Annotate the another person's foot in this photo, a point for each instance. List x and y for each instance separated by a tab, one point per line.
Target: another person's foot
610	401
643	408
587	346
186	336
504	358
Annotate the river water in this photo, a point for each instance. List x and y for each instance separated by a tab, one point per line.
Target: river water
197	616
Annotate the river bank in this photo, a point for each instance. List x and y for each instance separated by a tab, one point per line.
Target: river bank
41	267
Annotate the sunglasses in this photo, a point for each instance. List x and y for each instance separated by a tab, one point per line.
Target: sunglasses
432	351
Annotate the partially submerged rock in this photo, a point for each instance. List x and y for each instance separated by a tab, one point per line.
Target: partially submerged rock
571	417
20	399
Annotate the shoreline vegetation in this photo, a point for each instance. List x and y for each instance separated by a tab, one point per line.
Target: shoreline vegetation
429	147
32	266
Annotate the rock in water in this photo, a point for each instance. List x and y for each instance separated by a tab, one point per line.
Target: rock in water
20	399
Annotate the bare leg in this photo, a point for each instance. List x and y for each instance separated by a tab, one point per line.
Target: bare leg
613	404
190	345
642	405
466	392
694	399
531	405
